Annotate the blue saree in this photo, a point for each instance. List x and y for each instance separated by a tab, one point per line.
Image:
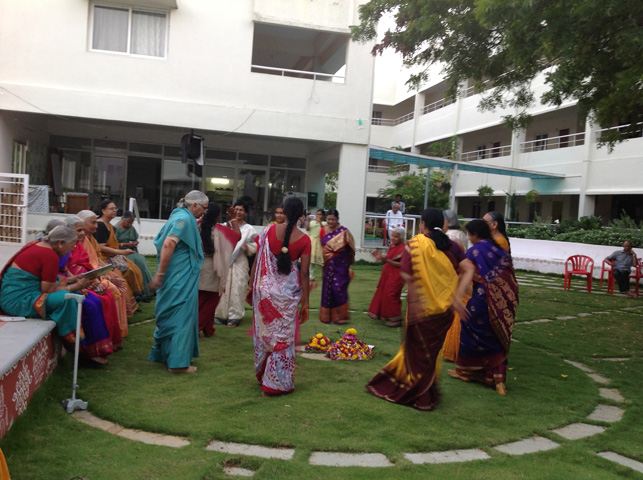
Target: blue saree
485	338
176	338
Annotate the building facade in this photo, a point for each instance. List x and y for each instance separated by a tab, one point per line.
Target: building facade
596	181
95	97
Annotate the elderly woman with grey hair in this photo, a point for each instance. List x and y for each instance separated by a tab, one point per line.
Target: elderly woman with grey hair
29	282
387	304
454	230
176	338
127	237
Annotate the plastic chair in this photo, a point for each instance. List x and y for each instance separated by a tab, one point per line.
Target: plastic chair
608	267
578	265
637	275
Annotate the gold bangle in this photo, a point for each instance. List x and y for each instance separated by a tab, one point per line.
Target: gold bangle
160	273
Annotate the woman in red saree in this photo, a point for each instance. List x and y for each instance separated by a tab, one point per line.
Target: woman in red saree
218	243
486	336
429	265
78	263
387	304
279	296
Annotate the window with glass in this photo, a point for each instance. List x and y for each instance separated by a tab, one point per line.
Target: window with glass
144	184
76	171
129	30
109	177
219	184
251	189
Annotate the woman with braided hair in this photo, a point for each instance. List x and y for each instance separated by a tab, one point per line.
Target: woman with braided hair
279	296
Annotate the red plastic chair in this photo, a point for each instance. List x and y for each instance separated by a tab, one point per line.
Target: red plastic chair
608	267
578	265
637	275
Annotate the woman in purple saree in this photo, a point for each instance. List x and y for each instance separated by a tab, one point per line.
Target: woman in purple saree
486	336
338	249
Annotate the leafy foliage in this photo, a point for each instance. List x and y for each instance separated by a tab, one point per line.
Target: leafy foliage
330	195
589	51
411	186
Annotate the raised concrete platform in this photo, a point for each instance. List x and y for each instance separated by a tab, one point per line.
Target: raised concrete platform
28	354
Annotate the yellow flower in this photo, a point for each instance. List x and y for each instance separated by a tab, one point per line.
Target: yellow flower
314	341
319	335
351	331
322	341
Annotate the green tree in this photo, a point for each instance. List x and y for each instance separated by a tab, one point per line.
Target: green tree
588	50
411	187
330	194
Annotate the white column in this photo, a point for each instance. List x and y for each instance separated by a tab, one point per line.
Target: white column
6	143
351	189
517	138
587	203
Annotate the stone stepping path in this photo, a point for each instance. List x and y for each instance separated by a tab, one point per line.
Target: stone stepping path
621	460
131	434
528	445
575	431
238	472
336	459
251	450
450	456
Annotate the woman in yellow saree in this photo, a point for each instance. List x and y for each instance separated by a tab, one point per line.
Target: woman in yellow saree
429	265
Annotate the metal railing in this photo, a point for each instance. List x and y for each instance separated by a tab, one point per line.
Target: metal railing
373	231
492	152
285	72
391	122
400	167
13	207
432	107
621	129
553	143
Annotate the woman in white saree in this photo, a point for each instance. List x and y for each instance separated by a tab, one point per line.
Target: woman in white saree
231	309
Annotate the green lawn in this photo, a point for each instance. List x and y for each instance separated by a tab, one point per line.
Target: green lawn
330	409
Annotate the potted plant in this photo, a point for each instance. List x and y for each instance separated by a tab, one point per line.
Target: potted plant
531	196
485	192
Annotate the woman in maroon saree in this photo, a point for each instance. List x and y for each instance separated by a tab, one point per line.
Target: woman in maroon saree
486	336
338	249
387	304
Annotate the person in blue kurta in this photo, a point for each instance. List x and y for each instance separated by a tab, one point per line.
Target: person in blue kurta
176	338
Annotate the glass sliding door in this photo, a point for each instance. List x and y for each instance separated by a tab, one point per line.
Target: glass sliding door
178	179
144	184
109	178
251	188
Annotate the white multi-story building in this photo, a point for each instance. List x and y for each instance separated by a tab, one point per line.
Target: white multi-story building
596	181
95	97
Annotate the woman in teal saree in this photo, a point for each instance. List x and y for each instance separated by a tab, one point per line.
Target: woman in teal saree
36	293
176	338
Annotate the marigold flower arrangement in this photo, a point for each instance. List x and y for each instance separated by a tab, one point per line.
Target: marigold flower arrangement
318	343
349	347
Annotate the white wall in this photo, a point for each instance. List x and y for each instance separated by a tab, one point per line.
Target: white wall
204	83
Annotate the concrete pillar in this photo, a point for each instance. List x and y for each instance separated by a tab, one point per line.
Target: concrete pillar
420	98
6	143
517	138
351	189
587	203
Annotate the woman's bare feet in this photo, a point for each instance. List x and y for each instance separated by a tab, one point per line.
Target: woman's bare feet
190	369
501	389
454	374
99	360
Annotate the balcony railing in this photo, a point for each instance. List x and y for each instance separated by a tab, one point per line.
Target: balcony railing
285	72
432	107
622	130
388	168
571	140
492	152
391	122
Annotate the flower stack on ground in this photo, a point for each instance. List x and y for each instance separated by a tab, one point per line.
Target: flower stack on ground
349	347
318	343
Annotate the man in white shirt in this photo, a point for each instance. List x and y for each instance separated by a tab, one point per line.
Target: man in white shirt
394	219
